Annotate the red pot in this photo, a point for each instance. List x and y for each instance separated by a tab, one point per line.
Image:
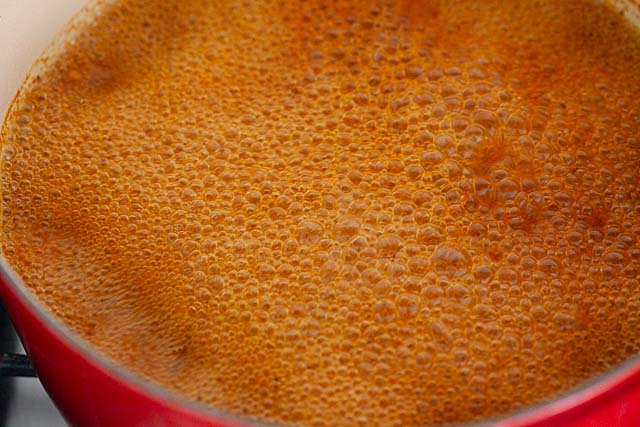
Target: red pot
92	391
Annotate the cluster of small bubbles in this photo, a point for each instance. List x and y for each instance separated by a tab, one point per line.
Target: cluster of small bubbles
355	213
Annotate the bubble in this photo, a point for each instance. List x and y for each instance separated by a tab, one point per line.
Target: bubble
407	305
450	260
355	176
346	228
485	118
614	259
389	244
429	235
564	321
418	264
458	292
350	215
413	72
507	189
385	311
440	331
265	271
430	159
310	232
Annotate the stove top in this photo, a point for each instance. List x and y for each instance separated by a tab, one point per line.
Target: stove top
23	401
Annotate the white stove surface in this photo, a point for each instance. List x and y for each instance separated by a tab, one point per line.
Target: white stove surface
31	407
23	401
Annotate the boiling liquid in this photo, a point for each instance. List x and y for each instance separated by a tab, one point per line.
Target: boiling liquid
344	214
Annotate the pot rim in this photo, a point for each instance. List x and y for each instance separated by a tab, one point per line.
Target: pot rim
587	392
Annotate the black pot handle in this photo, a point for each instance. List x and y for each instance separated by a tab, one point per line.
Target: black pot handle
15	365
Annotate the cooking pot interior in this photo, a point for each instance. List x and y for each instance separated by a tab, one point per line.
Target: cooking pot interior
30	25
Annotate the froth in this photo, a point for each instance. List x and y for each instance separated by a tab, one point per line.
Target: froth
351	214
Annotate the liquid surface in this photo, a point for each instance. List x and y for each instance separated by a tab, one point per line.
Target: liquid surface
337	214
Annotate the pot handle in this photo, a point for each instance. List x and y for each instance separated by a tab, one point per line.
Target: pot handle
15	365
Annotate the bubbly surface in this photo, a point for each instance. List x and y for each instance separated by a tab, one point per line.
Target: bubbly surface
349	213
